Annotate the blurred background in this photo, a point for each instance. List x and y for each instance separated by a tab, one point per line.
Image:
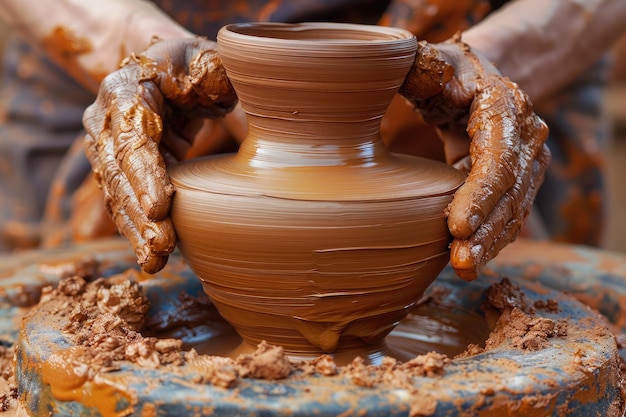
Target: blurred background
616	158
615	101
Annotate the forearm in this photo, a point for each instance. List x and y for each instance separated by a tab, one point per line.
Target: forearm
545	44
89	38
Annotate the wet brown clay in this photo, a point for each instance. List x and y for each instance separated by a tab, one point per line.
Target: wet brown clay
313	236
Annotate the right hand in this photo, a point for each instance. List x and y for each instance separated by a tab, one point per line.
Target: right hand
491	132
146	115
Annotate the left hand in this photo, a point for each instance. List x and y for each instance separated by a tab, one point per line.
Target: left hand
490	131
148	113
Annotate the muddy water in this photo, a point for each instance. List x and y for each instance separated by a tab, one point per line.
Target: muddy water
428	327
444	329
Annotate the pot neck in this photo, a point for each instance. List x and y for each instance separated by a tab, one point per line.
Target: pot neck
275	143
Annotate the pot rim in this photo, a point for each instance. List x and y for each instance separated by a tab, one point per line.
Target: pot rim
315	34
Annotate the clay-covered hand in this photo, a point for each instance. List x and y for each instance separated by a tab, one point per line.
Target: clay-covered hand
491	132
147	114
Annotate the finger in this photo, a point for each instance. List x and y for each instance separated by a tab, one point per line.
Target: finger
513	228
471	270
149	239
210	82
495	150
147	260
428	75
144	246
157	236
137	130
468	256
128	104
93	118
503	223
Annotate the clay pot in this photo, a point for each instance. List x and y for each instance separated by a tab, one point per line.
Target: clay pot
313	236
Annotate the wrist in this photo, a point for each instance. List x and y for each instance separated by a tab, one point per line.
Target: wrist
136	28
143	24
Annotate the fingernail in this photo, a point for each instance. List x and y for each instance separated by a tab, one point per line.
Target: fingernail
147	205
465	255
460	257
155	264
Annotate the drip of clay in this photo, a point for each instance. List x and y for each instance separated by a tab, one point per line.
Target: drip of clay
313	236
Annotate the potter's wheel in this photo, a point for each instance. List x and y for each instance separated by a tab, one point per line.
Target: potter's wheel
575	374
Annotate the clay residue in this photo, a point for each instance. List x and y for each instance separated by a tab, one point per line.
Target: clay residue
8	389
505	295
67	44
401	375
268	362
9	396
106	317
216	370
104	320
525	331
515	321
395	373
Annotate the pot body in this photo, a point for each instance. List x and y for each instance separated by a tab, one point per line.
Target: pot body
313	236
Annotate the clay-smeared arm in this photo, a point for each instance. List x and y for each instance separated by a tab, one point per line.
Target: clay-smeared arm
144	114
89	38
543	45
452	87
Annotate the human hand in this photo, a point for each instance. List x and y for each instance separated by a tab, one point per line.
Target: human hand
145	116
490	132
